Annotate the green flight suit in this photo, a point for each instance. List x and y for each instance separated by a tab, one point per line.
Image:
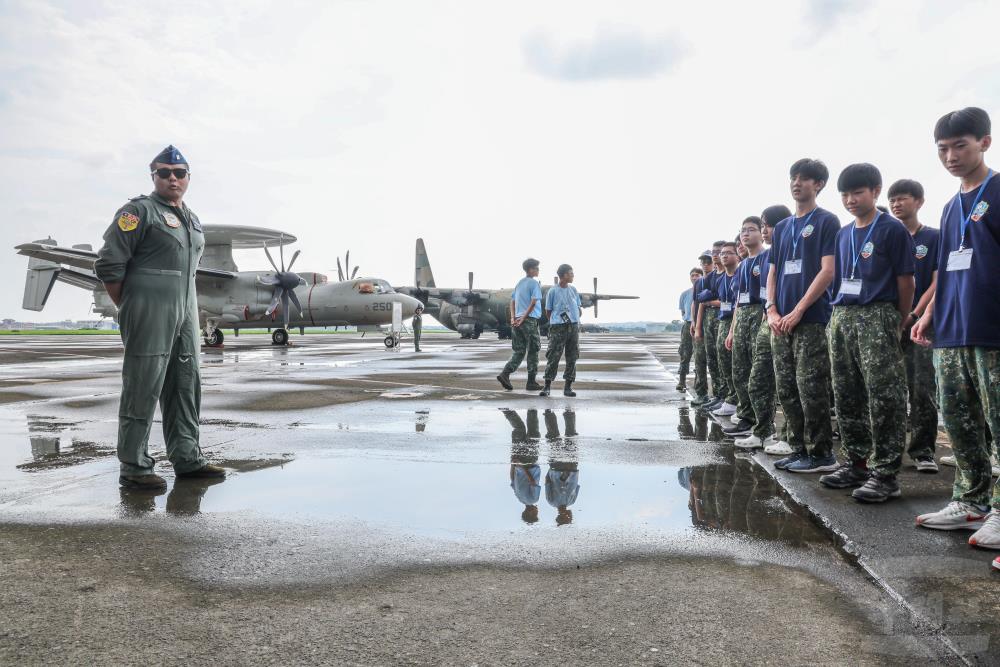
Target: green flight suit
418	325
154	248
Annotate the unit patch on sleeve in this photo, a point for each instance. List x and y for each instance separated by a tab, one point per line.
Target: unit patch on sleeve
127	221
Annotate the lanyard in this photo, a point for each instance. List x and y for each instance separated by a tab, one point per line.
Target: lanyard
745	281
728	282
796	230
857	255
961	207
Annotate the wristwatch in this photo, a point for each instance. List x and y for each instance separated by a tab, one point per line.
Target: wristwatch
767	305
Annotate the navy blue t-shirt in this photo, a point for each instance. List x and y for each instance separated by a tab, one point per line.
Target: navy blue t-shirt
809	239
925	259
967	303
725	288
750	275
884	251
765	261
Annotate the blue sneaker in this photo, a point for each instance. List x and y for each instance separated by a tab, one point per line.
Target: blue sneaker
782	464
814	464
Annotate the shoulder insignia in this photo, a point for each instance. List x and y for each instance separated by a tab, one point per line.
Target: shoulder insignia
127	221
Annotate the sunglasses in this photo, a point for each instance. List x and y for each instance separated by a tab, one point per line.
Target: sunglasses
164	173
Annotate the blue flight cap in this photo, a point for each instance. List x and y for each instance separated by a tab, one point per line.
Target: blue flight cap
169	155
707	254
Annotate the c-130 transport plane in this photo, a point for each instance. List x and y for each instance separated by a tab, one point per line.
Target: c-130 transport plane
472	311
227	297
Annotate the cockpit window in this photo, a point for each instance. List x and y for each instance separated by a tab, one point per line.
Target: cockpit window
373	287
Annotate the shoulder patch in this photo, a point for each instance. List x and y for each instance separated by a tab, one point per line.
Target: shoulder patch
127	221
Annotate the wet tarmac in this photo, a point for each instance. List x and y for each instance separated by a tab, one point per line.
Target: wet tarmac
355	468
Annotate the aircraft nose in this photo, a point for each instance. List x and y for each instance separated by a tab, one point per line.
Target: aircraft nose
409	304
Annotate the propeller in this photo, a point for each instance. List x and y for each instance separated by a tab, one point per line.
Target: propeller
344	271
284	282
471	309
595	300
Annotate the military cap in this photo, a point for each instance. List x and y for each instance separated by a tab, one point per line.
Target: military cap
169	155
707	254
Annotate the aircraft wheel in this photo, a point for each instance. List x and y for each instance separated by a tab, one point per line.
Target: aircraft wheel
389	342
279	337
215	339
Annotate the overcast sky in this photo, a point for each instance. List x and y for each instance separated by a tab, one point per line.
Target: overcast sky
620	137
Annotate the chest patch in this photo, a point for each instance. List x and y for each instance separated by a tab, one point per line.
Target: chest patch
171	220
128	221
980	211
756	271
920	252
867	250
807	231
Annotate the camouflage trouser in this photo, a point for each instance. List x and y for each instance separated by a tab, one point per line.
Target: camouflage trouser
562	337
524	341
700	368
869	381
710	327
725	359
745	329
801	376
968	381
685	351
760	388
922	388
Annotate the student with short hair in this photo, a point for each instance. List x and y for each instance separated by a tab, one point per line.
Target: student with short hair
760	385
905	199
725	289
686	348
700	355
745	323
798	309
963	314
562	309
525	312
873	287
708	320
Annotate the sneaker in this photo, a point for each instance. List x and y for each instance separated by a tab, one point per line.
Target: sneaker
743	427
808	464
956	515
753	442
847	476
681	387
699	400
207	470
948	461
148	482
724	410
735	418
794	457
996	563
878	490
778	448
926	464
988	537
712	404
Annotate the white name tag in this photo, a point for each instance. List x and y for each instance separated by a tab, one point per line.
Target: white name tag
960	260
744	297
763	293
726	307
793	266
848	286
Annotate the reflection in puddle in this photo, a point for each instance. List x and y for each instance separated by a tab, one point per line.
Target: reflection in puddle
562	480
703	429
184	498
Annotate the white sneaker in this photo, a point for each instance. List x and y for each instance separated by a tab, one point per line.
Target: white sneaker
779	448
749	442
735	418
955	516
724	410
948	461
988	537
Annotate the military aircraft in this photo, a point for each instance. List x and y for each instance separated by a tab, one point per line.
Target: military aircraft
472	311
227	297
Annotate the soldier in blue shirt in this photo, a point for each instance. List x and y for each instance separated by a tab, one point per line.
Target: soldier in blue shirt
725	290
798	309
701	373
562	309
905	199
525	311
686	348
707	324
963	315
873	296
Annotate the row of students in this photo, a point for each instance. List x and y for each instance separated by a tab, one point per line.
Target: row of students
853	311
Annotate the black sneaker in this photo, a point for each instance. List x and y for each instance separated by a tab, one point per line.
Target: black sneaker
878	490
712	404
847	476
743	427
782	464
681	387
926	464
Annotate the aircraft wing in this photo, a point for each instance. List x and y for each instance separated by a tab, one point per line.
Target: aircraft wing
84	259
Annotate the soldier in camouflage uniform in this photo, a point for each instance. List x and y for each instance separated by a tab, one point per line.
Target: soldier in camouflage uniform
963	314
725	288
563	309
709	318
698	336
686	348
874	293
746	322
525	312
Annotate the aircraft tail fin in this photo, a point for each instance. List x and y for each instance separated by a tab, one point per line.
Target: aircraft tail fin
423	276
39	280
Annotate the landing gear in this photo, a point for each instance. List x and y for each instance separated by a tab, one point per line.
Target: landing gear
279	337
214	339
391	341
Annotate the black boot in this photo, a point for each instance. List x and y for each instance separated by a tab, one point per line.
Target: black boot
532	384
568	389
546	388
504	380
